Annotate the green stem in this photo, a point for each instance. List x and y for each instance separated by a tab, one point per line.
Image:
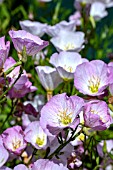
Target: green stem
64	144
97	167
13	67
11	112
57	9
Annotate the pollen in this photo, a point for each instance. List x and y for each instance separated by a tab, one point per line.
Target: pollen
64	117
94	84
69	46
68	68
16	144
40	141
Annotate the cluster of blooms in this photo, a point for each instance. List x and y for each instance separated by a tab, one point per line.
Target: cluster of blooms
53	135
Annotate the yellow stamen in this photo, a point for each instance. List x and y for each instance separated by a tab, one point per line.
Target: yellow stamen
65	118
16	144
39	141
69	46
94	84
69	68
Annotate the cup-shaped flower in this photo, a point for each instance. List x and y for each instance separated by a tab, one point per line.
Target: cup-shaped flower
33	44
4	50
13	140
20	167
60	112
91	78
49	77
46	164
66	63
76	17
68	41
98	10
33	27
96	115
21	87
3	155
35	135
63	25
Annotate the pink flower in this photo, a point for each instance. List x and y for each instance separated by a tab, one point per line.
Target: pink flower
49	77
91	78
96	115
21	39
66	63
60	112
13	139
33	27
35	135
3	155
68	41
4	50
20	167
46	164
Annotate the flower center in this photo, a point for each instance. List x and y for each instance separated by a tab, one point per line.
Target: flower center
95	112
69	46
39	141
69	68
94	84
16	144
64	117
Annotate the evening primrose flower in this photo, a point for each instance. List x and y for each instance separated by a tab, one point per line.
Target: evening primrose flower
91	78
3	155
47	164
68	41
63	25
33	44
13	139
61	112
4	51
66	63
35	135
76	17
21	87
98	10
33	27
20	167
49	77
96	115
